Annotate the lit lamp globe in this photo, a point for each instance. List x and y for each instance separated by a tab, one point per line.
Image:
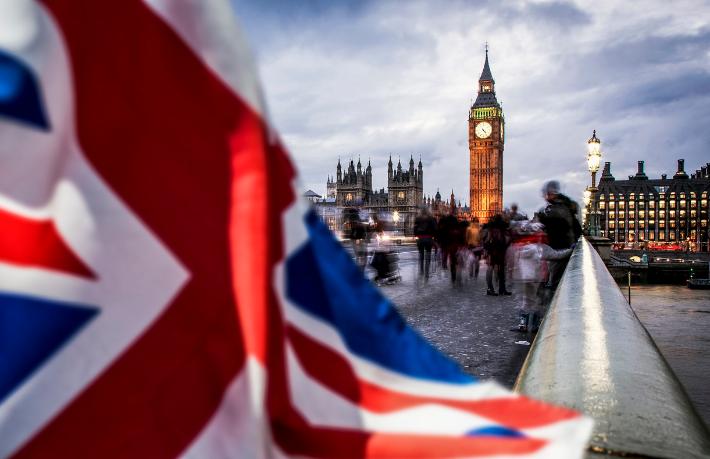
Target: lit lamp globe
594	155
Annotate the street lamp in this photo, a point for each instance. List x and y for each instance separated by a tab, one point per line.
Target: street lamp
594	157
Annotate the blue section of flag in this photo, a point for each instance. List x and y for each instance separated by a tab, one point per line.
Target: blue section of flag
495	431
20	94
31	330
323	280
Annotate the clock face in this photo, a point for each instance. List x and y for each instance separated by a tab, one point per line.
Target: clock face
483	130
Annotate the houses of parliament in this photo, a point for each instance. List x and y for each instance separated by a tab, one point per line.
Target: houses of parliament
404	195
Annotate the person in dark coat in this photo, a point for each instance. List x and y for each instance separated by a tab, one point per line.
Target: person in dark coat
451	238
495	244
425	231
561	226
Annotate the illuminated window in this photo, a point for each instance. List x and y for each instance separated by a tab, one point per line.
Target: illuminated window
632	196
662	205
682	214
612	214
621	223
621	204
601	197
612	205
651	236
704	195
632	224
602	204
692	195
400	195
652	204
612	224
682	203
672	223
642	214
652	222
682	223
612	197
621	214
348	197
693	214
704	202
693	204
682	196
672	204
661	224
661	214
673	195
703	223
671	236
672	214
632	204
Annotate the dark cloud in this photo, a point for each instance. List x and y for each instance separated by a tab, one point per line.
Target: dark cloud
346	78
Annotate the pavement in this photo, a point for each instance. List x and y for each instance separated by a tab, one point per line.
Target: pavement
461	320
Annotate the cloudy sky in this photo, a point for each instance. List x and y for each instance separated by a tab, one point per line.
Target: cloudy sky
372	78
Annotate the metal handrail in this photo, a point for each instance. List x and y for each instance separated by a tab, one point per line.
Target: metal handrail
592	354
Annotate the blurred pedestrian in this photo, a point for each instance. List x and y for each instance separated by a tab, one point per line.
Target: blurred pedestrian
473	242
424	230
495	245
561	226
451	239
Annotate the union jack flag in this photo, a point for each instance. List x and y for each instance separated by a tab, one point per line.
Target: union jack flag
164	293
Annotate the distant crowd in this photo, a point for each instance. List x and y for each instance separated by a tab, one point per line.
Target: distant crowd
530	254
523	256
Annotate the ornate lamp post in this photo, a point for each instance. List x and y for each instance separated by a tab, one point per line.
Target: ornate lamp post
594	157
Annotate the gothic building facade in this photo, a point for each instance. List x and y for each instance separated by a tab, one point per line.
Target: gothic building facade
402	198
486	140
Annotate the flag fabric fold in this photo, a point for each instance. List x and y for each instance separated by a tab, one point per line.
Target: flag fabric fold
165	293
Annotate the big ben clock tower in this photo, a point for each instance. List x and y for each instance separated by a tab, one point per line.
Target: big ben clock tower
485	143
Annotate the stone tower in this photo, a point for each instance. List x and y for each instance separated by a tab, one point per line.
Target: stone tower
485	143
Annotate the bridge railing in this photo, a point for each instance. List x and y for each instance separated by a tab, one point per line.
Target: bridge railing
592	354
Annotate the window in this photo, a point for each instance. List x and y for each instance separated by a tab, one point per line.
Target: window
632	224
672	223
704	202
621	215
671	236
692	195
612	214
662	214
612	224
651	214
612	197
682	214
693	204
632	204
661	224
642	214
682	196
612	205
632	196
400	195
662	205
602	204
349	197
651	236
621	223
703	223
651	204
621	204
693	214
672	204
661	236
682	203
672	214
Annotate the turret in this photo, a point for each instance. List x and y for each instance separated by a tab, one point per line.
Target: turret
339	173
389	169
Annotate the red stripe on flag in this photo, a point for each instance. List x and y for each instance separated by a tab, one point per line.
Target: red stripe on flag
336	373
329	443
37	243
